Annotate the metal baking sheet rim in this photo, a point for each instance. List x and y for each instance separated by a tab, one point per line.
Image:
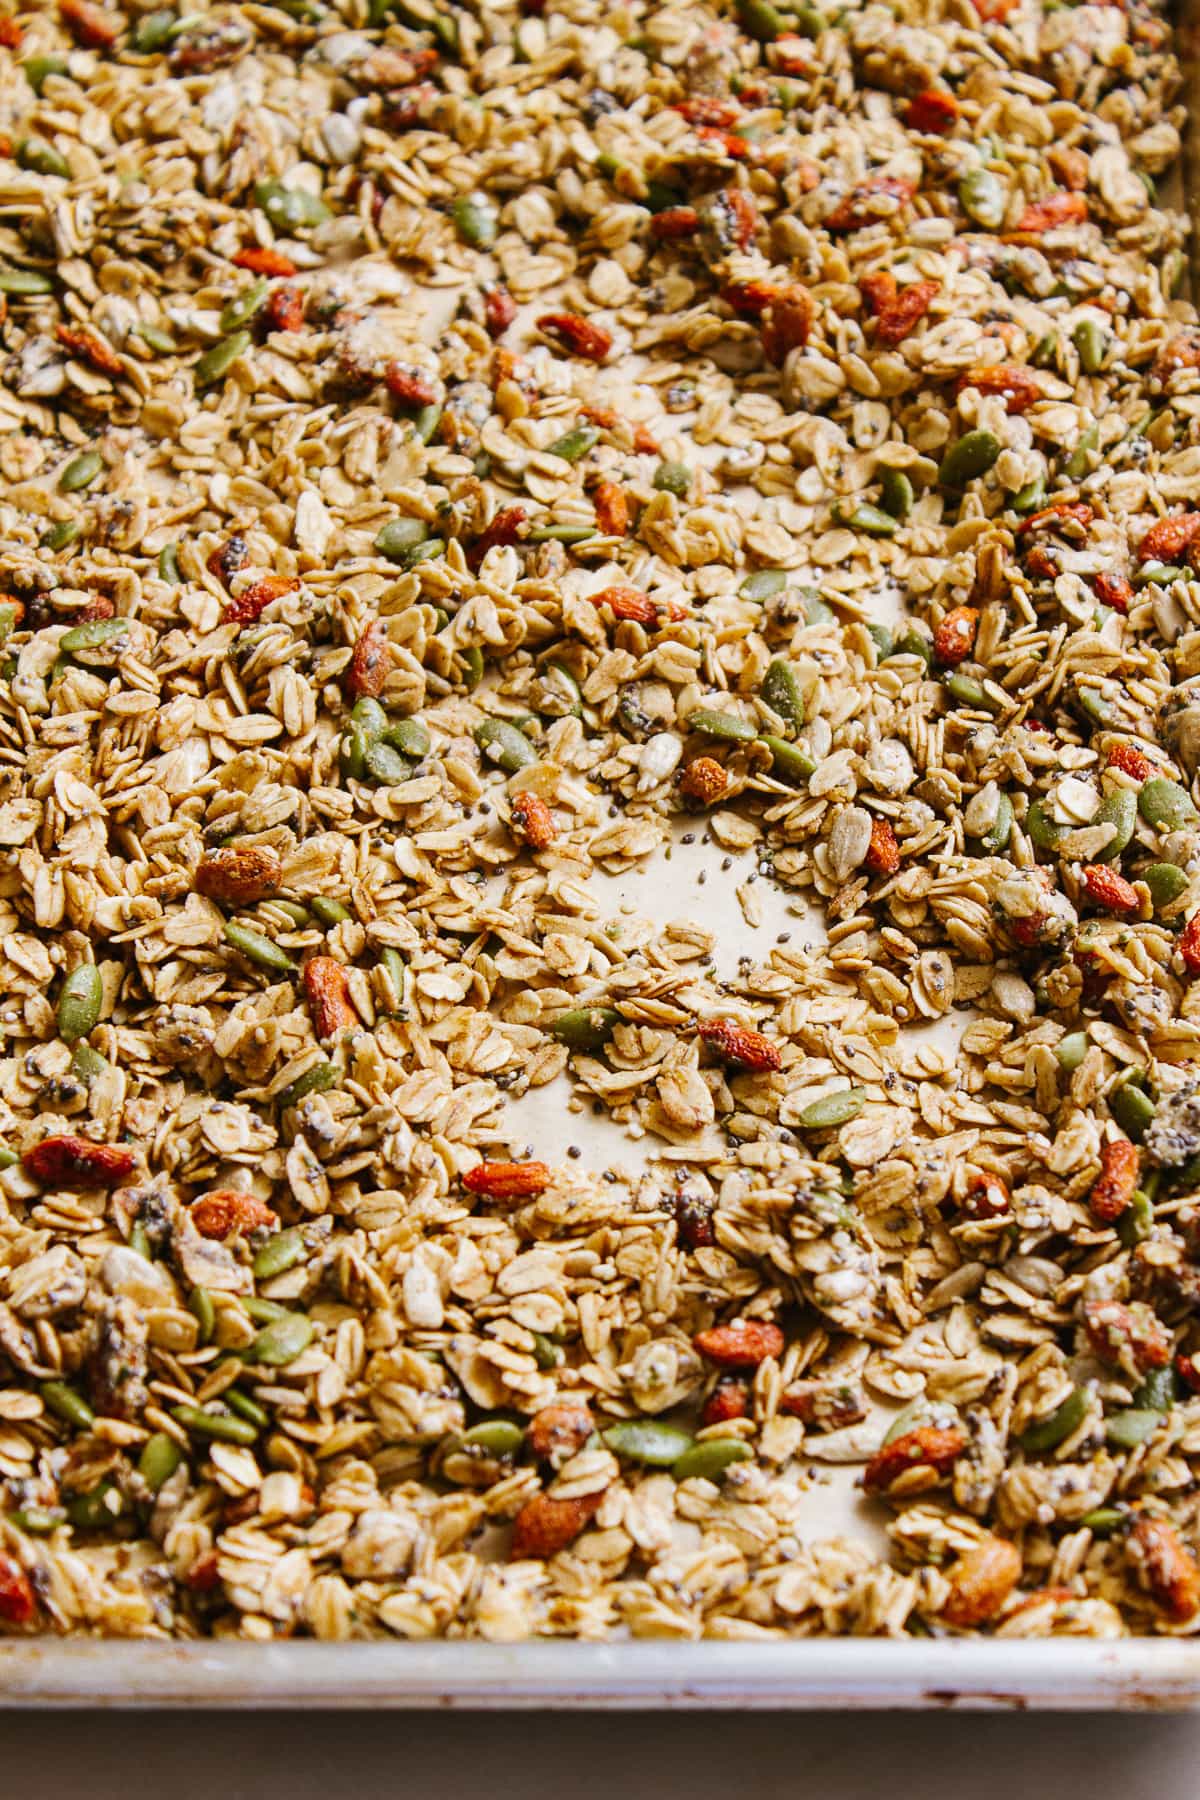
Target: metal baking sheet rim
1131	1674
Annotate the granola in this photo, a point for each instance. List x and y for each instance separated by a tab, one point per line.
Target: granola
464	466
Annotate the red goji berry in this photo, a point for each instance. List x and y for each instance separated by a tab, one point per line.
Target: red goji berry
370	664
499	310
1117	1181
738	1044
883	852
612	508
1130	761
327	991
860	207
1110	890
896	318
507	1180
261	261
532	820
1058	209
1016	385
580	336
934	110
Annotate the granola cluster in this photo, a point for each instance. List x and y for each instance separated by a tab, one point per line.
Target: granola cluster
503	507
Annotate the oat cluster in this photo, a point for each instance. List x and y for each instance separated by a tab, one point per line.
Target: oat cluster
450	453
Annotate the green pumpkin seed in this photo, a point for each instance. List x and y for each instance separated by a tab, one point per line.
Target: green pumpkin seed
502	743
1092	344
258	949
264	1312
60	535
707	1461
41	158
472	667
352	754
282	1341
574	444
428	551
968	458
1031	497
559	694
38	69
864	517
23	284
915	642
1041	829
1097	706
65	1403
1120	808
87	1065
994	841
220	359
1102	1520
781	691
1157	1391
1156	574
410	737
8	621
316	1079
475	220
832	1110
546	1353
882	639
370	718
80	472
790	762
392	964
154	32
816	610
649	1441
242	309
139	1241
8	1158
160	1458
426	421
917	1412
760	20
279	1253
1047	1433
386	765
329	912
726	727
1127	1429
562	534
1080	459
200	1302
586	1027
1166	883
94	635
400	536
896	493
223	1427
1071	1050
79	1003
246	1408
95	1510
984	198
1137	1221
763	583
673	478
1132	1109
968	692
161	342
168	564
499	1437
1165	804
290	209
38	1521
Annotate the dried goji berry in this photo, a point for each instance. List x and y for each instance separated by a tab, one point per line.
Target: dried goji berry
896	318
80	341
883	852
254	600
675	222
507	1180
1130	760
1110	890
1058	209
728	1400
220	1214
954	638
283	310
1070	165
75	1162
742	1345
750	299
787	322
994	12
508	527
261	261
545	1525
1182	352
89	24
559	1430
934	110
1119	1333
370	664
1189	944
987	1197
825	1403
1117	1181
612	508
861	206
239	874
708	109
1169	538
1060	513
203	1576
499	310
327	991
1168	1570
1113	590
10	33
703	781
17	1601
1188	1371
935	1447
1042	563
532	820
632	604
580	336
410	386
738	149
980	1582
1016	385
99	608
878	289
738	1044
730	219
